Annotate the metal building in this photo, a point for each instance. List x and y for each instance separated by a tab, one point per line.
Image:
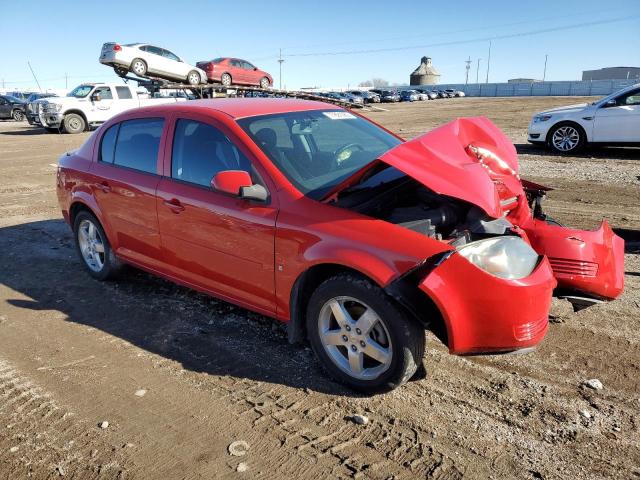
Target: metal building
425	74
612	73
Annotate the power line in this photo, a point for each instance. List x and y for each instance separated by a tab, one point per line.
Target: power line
474	40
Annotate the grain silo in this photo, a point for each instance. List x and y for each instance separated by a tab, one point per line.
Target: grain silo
425	74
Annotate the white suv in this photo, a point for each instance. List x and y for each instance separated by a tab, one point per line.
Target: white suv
148	60
612	120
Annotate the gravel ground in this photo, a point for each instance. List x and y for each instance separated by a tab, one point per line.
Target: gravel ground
144	379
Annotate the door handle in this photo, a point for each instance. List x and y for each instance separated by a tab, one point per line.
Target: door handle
104	186
174	205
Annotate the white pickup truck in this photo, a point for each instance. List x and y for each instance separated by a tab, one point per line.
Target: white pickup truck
91	104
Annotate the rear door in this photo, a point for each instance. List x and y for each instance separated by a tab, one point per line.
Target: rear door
5	108
238	73
619	123
127	99
212	240
125	181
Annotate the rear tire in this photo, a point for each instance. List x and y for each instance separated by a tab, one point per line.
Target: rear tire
226	80
93	247
139	67
375	346
74	123
120	71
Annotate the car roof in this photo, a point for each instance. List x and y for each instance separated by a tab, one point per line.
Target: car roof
243	107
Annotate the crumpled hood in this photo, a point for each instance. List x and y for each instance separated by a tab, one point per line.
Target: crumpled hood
469	159
567	109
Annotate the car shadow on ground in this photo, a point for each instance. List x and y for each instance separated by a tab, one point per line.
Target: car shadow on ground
631	239
26	130
201	333
604	153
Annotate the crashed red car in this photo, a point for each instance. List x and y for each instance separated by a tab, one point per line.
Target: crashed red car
324	220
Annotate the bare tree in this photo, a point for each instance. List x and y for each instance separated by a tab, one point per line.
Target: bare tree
379	82
366	83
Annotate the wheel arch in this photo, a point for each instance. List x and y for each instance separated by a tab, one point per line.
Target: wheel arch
82	201
77	112
573	123
404	293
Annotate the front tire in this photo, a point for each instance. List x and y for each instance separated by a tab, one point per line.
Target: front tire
18	115
361	337
193	78
566	138
264	83
93	247
226	80
74	123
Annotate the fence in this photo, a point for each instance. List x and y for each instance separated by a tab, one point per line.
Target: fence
536	89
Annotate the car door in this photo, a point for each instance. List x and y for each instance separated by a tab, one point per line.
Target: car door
175	67
238	73
5	108
619	121
125	181
127	99
103	109
212	240
251	75
156	62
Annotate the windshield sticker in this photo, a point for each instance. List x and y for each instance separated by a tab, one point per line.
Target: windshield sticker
338	115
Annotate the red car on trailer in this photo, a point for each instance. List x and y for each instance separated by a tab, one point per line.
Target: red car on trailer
235	71
318	217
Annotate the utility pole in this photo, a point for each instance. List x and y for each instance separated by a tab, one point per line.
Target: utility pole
280	60
34	76
544	73
488	63
466	78
478	70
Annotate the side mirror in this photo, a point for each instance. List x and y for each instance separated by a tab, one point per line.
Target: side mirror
610	103
239	184
95	97
255	69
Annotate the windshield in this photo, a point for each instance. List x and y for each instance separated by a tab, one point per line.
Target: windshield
80	91
318	149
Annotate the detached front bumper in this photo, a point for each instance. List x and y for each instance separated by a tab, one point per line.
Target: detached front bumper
484	313
589	262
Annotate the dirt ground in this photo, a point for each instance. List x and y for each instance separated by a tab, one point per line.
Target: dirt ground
179	376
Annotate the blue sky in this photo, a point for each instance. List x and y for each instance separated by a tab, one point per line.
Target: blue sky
64	37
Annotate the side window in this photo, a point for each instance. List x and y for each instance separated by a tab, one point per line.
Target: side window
105	93
631	98
235	63
154	50
247	65
200	151
170	55
123	93
138	144
108	143
3	101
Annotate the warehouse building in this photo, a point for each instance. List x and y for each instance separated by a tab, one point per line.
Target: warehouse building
612	73
425	74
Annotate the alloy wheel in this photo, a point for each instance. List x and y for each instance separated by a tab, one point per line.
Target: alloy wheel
91	245
565	138
139	68
355	338
18	116
194	78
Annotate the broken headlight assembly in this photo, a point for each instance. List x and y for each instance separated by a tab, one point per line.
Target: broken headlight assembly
504	257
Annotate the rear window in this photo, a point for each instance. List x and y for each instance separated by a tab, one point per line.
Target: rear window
123	93
137	144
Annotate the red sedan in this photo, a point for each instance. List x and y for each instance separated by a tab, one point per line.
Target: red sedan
234	71
320	218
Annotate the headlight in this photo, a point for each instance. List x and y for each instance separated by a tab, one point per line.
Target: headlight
52	107
541	118
504	257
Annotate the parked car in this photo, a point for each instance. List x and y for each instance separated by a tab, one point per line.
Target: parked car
235	71
454	93
91	104
358	241
146	60
389	96
612	120
344	97
421	95
367	96
12	107
408	96
19	95
32	107
430	94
